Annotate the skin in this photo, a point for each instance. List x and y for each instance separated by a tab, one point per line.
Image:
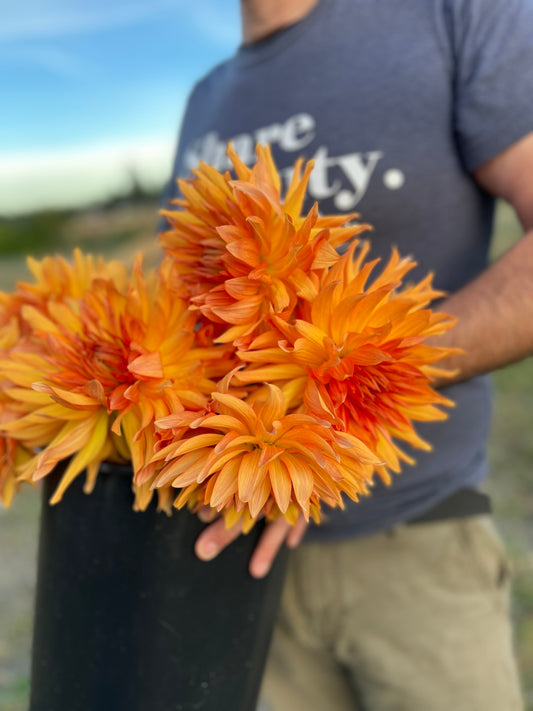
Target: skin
494	310
260	18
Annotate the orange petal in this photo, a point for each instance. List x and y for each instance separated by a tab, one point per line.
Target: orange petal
302	482
280	482
250	474
272	408
147	365
239	408
225	486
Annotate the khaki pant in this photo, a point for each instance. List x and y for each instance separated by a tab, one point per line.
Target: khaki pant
415	619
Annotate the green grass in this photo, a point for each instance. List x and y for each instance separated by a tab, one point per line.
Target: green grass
15	696
36	234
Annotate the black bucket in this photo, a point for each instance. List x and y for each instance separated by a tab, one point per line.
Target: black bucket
128	619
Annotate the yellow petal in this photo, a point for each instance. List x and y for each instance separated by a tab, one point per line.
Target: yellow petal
89	452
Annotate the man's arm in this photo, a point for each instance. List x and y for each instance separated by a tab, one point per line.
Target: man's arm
495	310
495	327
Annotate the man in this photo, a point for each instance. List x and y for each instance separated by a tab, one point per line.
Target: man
417	113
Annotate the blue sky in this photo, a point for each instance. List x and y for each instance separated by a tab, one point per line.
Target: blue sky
101	84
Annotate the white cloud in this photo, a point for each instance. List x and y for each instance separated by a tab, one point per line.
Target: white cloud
44	19
47	58
55	18
81	176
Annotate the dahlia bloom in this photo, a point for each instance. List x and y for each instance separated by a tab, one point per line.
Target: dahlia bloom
253	458
358	350
55	279
245	252
94	372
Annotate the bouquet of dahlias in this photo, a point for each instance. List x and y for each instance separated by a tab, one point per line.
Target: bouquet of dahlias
256	371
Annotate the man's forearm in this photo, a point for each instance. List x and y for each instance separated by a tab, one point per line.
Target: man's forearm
495	316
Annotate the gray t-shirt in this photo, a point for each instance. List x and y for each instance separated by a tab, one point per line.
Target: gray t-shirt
397	101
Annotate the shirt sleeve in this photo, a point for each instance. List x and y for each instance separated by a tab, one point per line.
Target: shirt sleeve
493	46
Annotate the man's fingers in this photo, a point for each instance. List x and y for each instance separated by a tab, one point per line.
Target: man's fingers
215	538
297	532
268	547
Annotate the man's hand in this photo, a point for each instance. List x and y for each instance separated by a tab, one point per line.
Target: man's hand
216	537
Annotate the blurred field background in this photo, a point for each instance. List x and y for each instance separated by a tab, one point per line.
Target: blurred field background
127	225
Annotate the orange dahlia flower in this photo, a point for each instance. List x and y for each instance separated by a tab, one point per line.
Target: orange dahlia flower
255	458
95	373
244	252
56	280
359	348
